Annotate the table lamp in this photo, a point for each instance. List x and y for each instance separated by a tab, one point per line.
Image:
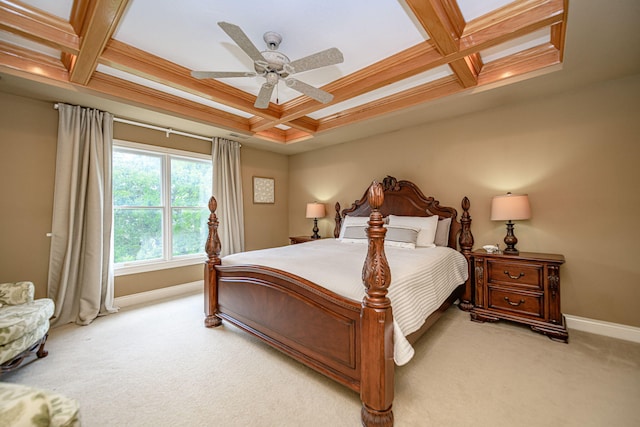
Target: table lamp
315	210
510	207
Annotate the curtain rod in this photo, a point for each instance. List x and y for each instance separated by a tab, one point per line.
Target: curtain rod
167	131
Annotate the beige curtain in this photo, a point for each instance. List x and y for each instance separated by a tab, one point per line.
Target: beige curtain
80	265
227	189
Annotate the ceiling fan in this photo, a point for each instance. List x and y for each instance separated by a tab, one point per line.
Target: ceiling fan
275	66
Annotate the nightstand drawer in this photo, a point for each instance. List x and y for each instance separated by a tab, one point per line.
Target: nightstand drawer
509	273
528	304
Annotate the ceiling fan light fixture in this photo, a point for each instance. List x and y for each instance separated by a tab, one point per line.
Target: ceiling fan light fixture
272	78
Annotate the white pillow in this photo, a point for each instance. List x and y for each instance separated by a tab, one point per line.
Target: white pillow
401	236
352	220
442	232
426	224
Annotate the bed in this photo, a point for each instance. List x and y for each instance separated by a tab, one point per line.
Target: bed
348	339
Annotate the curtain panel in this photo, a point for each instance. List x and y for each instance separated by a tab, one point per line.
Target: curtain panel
227	189
80	264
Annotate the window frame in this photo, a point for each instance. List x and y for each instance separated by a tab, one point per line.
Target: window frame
168	260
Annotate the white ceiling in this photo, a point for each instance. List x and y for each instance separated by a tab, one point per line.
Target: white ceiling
601	43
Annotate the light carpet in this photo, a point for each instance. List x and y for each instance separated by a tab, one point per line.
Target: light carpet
157	365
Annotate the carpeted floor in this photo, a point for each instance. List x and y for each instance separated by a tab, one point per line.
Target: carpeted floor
157	365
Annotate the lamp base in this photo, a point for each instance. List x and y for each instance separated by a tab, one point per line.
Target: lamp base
511	251
315	229
510	240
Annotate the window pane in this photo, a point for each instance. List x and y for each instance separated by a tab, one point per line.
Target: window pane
137	179
190	182
189	230
137	234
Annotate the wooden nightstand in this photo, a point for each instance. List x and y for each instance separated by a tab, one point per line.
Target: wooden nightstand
300	239
522	288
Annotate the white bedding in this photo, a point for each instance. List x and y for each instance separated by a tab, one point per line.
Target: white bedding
421	278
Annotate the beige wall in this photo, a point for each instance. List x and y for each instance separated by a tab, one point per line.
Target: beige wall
576	155
28	133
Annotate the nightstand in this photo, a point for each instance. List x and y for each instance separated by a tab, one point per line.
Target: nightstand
300	239
523	288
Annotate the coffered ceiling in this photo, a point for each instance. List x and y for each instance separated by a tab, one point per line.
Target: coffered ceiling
135	56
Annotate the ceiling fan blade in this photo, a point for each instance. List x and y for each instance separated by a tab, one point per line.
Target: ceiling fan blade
262	101
241	39
312	92
321	59
221	74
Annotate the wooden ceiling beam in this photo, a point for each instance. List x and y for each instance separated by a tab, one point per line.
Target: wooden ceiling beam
38	26
444	23
163	102
19	59
520	63
100	21
442	20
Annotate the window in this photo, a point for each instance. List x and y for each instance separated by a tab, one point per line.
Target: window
160	212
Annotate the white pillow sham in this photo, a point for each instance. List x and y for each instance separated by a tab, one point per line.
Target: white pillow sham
398	236
355	232
401	236
442	232
352	220
426	224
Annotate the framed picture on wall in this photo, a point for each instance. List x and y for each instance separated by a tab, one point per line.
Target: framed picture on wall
264	190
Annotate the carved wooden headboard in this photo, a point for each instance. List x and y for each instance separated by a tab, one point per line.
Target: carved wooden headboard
406	199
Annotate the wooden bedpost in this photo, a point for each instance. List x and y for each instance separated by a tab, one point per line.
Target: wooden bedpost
212	248
466	244
377	374
338	218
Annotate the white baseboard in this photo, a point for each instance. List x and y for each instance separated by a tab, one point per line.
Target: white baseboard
158	294
600	327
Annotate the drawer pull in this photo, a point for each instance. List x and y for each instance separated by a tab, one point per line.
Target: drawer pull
515	304
513	277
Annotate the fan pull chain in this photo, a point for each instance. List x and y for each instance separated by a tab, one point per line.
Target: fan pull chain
277	95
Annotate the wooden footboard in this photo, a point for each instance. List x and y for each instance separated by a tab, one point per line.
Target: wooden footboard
316	327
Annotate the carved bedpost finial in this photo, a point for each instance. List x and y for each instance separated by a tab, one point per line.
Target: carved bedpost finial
336	230
466	238
376	274
377	365
212	247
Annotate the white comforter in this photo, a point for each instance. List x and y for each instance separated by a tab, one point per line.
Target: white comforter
421	278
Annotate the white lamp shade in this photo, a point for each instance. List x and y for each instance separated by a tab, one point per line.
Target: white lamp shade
510	207
315	210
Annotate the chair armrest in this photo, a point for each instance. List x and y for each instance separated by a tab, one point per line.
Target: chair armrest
16	293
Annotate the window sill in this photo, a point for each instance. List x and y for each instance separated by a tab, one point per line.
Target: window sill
135	268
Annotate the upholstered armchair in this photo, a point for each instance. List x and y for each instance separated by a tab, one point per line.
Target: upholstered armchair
21	405
24	324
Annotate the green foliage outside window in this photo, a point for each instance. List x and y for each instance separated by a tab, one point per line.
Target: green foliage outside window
139	209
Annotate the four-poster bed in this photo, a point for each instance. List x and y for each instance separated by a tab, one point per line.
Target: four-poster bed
350	341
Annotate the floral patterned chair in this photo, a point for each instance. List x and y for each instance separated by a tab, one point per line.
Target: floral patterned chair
24	324
26	406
